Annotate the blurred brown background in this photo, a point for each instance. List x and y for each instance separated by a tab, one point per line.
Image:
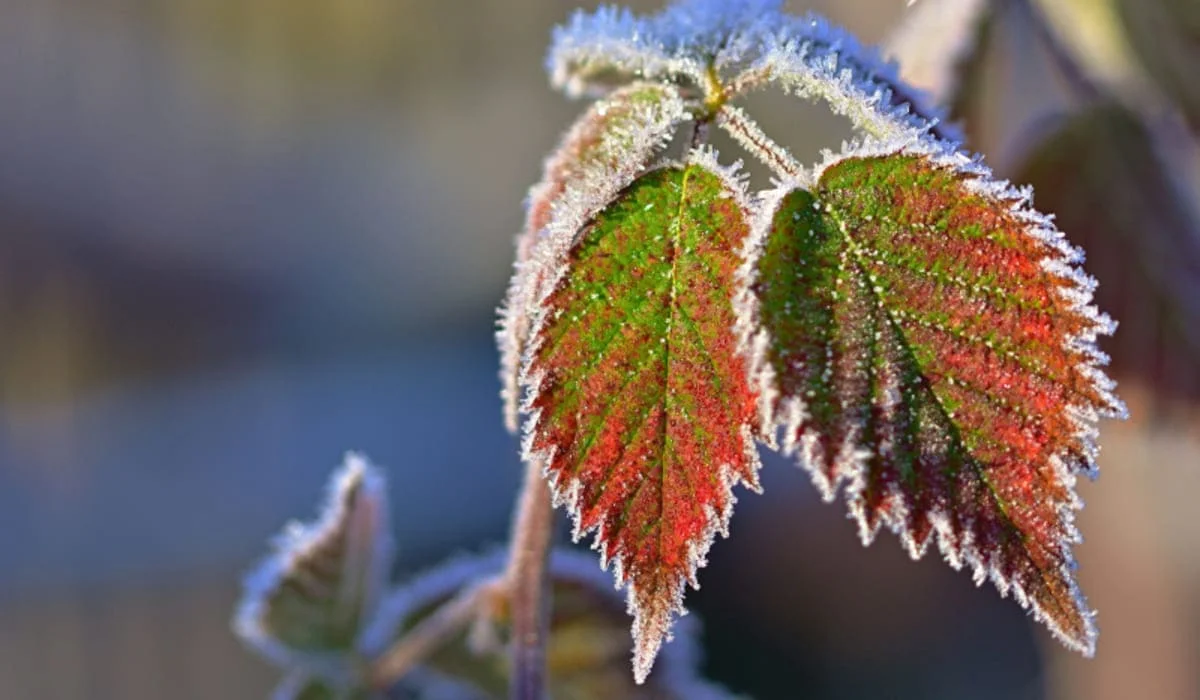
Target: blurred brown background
238	237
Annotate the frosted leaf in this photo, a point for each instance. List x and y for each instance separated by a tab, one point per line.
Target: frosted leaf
637	389
609	145
814	59
597	51
306	604
931	346
593	53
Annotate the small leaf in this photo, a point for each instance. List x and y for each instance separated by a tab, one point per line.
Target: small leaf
931	343
306	604
638	388
587	650
595	52
613	142
815	59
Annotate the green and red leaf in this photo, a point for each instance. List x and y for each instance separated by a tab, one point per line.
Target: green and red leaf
639	395
609	145
930	343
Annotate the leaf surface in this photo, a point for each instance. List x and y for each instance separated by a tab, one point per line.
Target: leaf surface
609	145
931	346
639	394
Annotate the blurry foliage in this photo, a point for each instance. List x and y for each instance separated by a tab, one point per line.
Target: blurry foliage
317	607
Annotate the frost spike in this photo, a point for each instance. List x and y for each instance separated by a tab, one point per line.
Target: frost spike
637	384
932	347
609	145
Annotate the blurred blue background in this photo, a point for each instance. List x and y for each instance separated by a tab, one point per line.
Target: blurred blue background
239	238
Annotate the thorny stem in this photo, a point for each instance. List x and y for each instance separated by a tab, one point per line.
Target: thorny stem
527	586
433	632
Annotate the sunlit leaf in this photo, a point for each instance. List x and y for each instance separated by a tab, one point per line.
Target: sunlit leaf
613	142
1117	194
587	652
307	603
638	391
931	346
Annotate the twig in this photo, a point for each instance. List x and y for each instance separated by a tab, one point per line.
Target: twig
527	586
734	121
431	633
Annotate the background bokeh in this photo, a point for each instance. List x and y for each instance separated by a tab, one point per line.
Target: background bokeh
238	237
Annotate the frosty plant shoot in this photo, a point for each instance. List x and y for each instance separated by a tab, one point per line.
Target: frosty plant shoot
909	328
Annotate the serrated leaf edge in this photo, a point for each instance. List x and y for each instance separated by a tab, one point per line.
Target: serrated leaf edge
568	494
540	254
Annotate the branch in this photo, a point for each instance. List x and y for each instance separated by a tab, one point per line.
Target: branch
743	129
527	586
432	632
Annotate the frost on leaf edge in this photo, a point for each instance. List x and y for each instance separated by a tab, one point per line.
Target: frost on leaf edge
582	198
813	58
648	639
673	44
1061	260
296	540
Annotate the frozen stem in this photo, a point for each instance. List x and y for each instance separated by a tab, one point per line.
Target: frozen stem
743	129
527	586
434	631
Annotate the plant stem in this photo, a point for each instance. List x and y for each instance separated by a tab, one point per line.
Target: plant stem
431	633
529	593
752	138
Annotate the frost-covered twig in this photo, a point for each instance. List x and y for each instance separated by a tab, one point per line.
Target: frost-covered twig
753	139
432	632
527	586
